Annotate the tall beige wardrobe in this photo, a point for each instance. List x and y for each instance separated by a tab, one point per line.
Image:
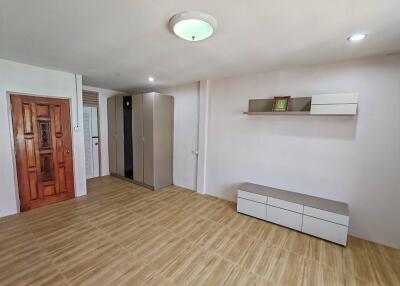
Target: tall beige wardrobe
152	138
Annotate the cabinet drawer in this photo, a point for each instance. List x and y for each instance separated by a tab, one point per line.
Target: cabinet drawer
257	210
334	109
336	98
284	217
285	205
325	229
252	197
325	215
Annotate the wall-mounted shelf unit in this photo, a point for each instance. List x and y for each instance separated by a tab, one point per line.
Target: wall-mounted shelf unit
321	104
278	113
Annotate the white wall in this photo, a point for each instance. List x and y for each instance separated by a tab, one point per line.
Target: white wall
186	123
21	78
350	159
103	125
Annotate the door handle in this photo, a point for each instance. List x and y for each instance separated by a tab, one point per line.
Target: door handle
195	152
95	144
67	151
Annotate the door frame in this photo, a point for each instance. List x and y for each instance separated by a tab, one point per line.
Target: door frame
98	139
98	125
12	141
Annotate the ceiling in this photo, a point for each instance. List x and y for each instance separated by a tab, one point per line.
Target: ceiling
119	44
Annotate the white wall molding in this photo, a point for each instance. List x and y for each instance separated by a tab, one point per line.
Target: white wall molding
203	136
78	142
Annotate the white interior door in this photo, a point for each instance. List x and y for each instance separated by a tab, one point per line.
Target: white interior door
186	125
91	141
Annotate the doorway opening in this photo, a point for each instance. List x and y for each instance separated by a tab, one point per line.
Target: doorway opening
91	134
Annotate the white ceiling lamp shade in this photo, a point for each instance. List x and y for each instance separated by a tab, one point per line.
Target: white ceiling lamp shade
357	37
193	26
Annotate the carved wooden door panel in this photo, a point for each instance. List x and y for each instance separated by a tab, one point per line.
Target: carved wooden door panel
43	150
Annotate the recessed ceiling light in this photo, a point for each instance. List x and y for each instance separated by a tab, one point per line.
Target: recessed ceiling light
357	37
193	26
151	79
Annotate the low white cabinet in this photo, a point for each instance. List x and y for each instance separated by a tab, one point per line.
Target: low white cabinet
319	217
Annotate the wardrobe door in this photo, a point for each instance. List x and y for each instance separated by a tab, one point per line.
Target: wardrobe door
137	118
148	166
128	144
119	121
112	150
163	122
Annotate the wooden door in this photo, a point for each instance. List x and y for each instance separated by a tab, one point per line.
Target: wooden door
43	150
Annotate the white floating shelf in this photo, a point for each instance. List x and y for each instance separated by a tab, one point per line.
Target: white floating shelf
298	113
338	104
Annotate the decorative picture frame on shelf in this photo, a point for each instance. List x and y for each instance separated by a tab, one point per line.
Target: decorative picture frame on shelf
281	104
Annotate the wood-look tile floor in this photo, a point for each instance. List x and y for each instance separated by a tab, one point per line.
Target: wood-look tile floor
123	234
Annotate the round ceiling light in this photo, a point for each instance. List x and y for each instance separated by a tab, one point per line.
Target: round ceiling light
193	26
